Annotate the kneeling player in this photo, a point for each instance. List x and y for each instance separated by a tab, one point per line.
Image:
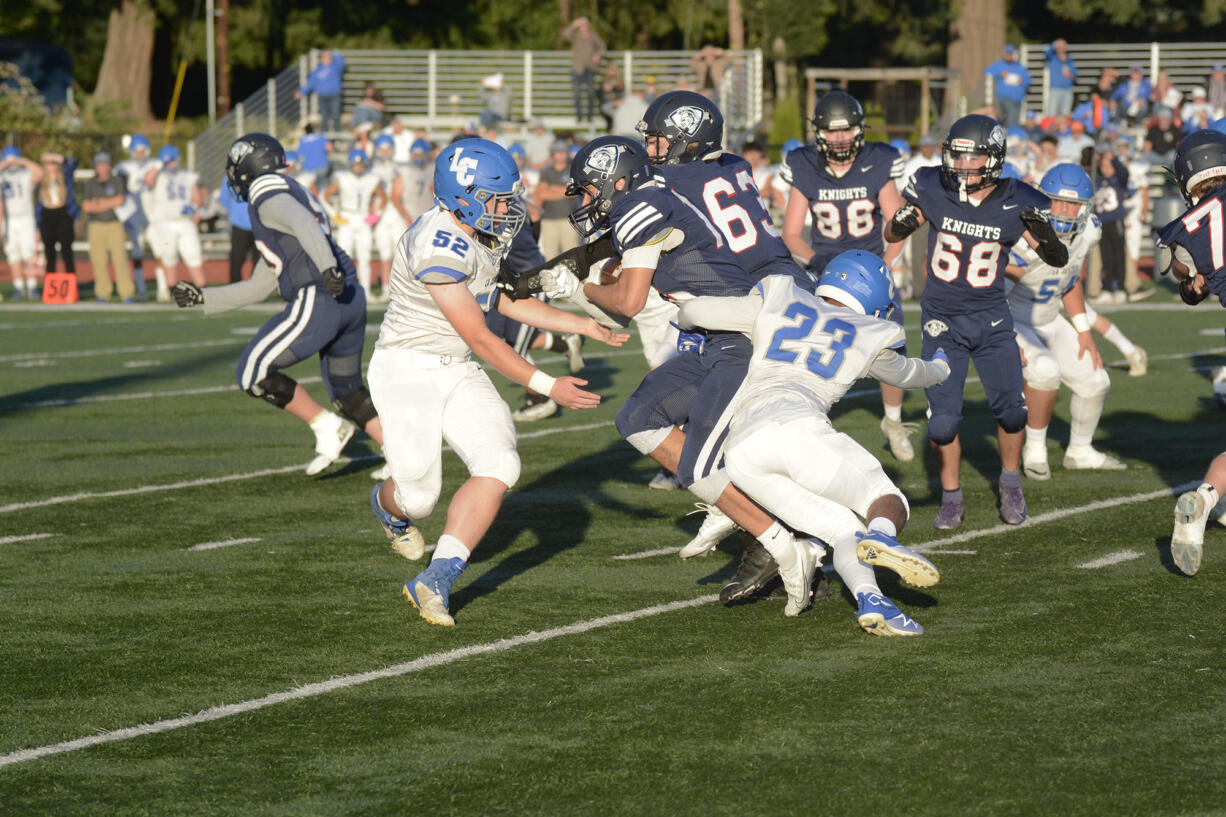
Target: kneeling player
1054	349
781	450
325	313
422	376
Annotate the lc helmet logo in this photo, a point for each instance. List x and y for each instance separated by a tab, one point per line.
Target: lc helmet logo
686	119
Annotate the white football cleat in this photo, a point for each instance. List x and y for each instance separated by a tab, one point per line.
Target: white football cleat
664	481
1138	362
1091	459
798	580
382	472
896	433
1191	513
574	352
1034	462
711	532
535	407
332	434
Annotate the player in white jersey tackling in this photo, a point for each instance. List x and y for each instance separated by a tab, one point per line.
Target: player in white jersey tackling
423	381
1054	349
781	450
360	198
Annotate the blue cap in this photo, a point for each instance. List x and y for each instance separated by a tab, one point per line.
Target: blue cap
1010	48
138	142
9	152
419	146
385	141
516	149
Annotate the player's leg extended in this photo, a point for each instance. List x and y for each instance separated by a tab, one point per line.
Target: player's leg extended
1089	387
362	241
1138	359
1192	511
1000	369
1042	376
945	414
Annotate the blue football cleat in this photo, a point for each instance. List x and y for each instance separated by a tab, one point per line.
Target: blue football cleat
406	539
430	590
950	516
883	550
1012	504
879	616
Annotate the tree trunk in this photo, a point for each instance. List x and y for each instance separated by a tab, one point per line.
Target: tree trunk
977	37
127	61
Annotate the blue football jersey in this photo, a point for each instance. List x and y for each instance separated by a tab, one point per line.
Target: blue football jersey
1110	192
846	209
968	245
283	251
701	265
1202	232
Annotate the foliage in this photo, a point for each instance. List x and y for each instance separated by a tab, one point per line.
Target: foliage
35	128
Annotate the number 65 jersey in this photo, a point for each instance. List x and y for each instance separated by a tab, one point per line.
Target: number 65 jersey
968	244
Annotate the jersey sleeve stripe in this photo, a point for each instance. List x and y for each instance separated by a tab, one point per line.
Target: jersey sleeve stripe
453	274
265	185
634	218
640	228
896	170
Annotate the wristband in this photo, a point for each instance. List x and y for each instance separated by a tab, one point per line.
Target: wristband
541	383
1081	323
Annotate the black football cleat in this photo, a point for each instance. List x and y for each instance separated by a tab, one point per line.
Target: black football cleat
756	571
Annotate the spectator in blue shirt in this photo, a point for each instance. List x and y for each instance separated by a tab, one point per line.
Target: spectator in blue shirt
313	150
1132	96
1061	74
1012	82
242	240
325	83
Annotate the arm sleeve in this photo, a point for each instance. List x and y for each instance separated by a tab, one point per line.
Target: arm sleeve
907	372
731	314
259	286
285	215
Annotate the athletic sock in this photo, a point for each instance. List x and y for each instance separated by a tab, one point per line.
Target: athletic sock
858	576
951	496
1010	479
450	547
1118	340
883	525
778	543
893	412
1036	437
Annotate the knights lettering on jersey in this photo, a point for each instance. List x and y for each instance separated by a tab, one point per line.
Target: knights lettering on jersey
846	209
968	244
283	251
1201	232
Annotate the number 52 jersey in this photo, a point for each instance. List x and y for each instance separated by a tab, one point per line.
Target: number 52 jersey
968	244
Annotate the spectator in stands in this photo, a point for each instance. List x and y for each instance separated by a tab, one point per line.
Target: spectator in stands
649	88
100	198
325	82
1162	137
370	107
1197	114
557	234
362	138
1061	75
1049	154
402	140
537	142
495	101
57	210
611	90
313	150
586	52
708	66
1165	93
1074	142
1132	96
1030	121
1216	86
1102	110
627	113
1012	81
242	240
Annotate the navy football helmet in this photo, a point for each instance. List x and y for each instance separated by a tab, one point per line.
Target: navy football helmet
1068	182
602	163
691	123
973	135
861	280
836	111
252	155
1199	156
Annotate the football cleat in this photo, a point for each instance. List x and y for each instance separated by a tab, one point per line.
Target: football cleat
574	352
1012	504
798	581
713	530
1034	462
1191	513
882	550
430	590
1090	459
535	407
756	571
1138	362
896	433
406	539
332	433
950	516
880	616
664	481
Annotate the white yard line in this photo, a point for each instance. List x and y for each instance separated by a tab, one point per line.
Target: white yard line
143	395
125	350
222	544
8	540
425	662
1112	559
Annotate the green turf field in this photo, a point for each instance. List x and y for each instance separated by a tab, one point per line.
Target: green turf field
189	625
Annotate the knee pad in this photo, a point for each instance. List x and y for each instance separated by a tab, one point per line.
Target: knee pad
357	406
276	388
1096	385
502	466
1012	419
1043	373
943	428
416	500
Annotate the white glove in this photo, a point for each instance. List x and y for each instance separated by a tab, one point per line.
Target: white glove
559	282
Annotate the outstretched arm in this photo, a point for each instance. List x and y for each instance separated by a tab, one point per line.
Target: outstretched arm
735	314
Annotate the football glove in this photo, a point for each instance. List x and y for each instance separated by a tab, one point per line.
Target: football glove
559	282
334	281
689	343
187	294
939	355
1189	294
905	221
1051	249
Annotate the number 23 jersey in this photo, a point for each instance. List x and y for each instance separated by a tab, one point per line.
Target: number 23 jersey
968	245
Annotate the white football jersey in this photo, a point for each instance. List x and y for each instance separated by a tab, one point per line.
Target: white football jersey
17	190
1035	300
135	170
171	197
354	193
418	194
386	171
434	251
806	354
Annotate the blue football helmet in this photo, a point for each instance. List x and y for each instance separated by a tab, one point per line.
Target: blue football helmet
357	156
861	280
9	152
139	142
1068	182
168	154
902	146
791	145
517	150
419	152
384	141
471	176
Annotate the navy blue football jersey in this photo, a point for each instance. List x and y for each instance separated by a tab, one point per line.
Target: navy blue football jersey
1110	192
968	245
1202	232
284	252
701	265
846	211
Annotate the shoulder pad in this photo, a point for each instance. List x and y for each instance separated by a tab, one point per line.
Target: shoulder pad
267	185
